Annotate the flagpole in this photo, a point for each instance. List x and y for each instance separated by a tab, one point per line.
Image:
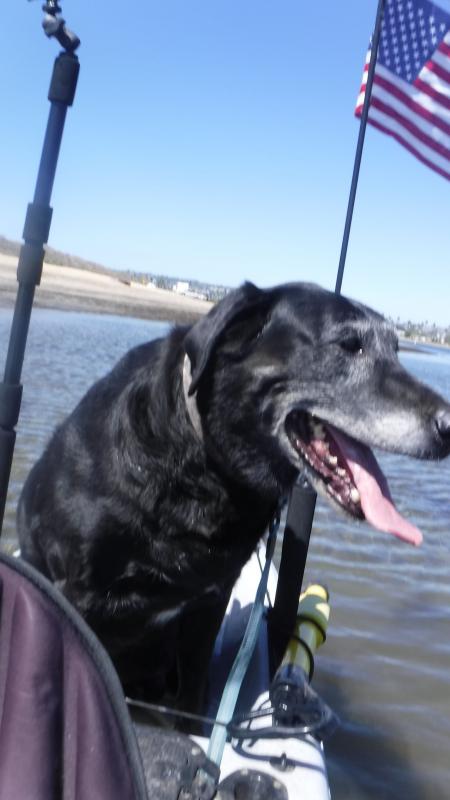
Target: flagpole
302	500
360	144
36	230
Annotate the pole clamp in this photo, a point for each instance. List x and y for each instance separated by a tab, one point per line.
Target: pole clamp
31	259
55	25
37	223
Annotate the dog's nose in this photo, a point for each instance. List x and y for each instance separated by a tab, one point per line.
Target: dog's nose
442	421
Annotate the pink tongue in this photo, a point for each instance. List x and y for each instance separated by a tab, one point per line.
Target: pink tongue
376	500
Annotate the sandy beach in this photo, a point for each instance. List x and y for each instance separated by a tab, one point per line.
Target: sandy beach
72	289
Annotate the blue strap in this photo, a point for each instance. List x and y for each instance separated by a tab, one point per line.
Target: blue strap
242	660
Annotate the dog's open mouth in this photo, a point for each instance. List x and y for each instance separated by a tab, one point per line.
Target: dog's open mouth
349	472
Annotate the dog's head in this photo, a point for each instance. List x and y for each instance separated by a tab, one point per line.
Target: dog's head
298	378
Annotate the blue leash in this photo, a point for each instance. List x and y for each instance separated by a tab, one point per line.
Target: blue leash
242	660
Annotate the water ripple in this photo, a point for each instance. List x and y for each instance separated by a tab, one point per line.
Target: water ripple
385	667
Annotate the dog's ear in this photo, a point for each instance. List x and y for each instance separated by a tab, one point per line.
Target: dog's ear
201	339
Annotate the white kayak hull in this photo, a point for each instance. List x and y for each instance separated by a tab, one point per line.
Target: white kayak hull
298	764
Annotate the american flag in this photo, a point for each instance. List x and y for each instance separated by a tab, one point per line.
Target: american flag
411	89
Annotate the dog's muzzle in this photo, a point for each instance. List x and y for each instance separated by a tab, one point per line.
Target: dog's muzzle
348	473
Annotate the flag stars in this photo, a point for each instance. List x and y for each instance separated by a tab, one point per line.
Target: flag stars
411	31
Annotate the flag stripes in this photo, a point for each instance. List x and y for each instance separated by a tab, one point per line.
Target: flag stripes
415	112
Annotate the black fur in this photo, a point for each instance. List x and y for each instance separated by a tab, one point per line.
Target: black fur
145	526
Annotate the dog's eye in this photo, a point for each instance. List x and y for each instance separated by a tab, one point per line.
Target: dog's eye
352	344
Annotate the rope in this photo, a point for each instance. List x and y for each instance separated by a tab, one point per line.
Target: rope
242	660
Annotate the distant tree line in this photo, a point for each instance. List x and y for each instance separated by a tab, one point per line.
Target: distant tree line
424	331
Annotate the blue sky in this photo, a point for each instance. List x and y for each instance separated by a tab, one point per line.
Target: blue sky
215	140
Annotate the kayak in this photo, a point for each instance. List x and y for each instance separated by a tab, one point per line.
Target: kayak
297	764
279	767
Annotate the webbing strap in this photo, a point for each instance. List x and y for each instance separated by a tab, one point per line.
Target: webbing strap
238	670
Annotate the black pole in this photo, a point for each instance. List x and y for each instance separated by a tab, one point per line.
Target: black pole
36	230
302	501
297	532
360	144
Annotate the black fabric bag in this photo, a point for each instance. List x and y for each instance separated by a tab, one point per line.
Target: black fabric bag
65	730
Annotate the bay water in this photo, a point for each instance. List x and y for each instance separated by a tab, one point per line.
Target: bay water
385	667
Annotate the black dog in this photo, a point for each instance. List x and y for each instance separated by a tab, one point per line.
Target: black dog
155	491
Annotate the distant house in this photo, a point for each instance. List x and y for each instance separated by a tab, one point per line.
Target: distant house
196	295
142	284
181	287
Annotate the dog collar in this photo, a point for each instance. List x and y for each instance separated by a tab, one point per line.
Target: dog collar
190	400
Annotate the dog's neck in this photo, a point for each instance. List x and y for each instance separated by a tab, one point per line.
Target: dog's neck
190	400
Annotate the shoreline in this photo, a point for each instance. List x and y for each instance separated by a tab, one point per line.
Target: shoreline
72	289
67	288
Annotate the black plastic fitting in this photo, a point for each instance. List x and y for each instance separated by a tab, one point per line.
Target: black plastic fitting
29	268
64	79
37	223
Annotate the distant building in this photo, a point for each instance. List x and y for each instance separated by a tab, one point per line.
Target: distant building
196	295
181	287
143	283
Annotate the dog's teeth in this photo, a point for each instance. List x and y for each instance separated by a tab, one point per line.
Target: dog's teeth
355	496
341	472
332	461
